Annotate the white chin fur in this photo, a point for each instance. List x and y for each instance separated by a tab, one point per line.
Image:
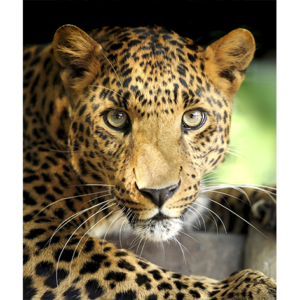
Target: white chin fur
157	230
152	230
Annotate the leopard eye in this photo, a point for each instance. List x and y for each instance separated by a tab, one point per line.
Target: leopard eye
116	119
193	119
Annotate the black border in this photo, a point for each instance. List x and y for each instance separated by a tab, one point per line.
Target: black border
203	21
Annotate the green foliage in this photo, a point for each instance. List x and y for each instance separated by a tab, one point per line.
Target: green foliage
253	128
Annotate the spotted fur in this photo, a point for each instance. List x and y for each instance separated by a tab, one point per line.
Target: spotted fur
81	174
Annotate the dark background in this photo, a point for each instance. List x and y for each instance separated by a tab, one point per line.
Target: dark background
202	21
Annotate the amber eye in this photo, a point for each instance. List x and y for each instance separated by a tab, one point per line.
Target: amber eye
193	119
116	119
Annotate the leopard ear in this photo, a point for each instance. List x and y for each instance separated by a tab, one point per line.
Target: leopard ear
79	57
227	60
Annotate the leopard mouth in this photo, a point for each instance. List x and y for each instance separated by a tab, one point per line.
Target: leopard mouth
158	228
160	216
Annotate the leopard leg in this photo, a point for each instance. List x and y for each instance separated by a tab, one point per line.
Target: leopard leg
96	269
247	284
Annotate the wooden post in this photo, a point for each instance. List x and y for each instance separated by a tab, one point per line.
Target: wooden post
260	252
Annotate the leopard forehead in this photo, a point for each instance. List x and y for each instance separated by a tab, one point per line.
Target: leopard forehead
153	71
151	60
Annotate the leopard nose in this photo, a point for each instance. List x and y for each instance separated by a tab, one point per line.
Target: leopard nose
160	196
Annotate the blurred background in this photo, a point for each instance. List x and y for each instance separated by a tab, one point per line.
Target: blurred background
252	154
252	157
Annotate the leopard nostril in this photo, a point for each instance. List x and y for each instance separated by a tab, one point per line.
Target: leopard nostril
159	196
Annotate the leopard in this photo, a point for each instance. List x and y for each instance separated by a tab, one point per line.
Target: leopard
120	126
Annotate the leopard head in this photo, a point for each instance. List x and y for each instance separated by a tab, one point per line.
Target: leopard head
150	115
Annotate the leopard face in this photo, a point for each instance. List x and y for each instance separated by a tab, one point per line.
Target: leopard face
150	115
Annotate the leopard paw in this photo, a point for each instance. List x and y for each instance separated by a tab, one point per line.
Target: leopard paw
249	284
264	211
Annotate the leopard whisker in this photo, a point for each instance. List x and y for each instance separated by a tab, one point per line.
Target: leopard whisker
262	190
229	204
258	187
61	252
253	186
237	145
136	237
209	179
97	198
121	212
248	185
139	245
204	183
186	248
234	154
236	215
183	222
198	221
218	187
103	87
162	249
238	187
78	196
209	174
120	231
213	213
213	220
69	219
87	209
181	231
235	150
85	235
112	67
213	191
200	216
142	249
188	224
180	245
